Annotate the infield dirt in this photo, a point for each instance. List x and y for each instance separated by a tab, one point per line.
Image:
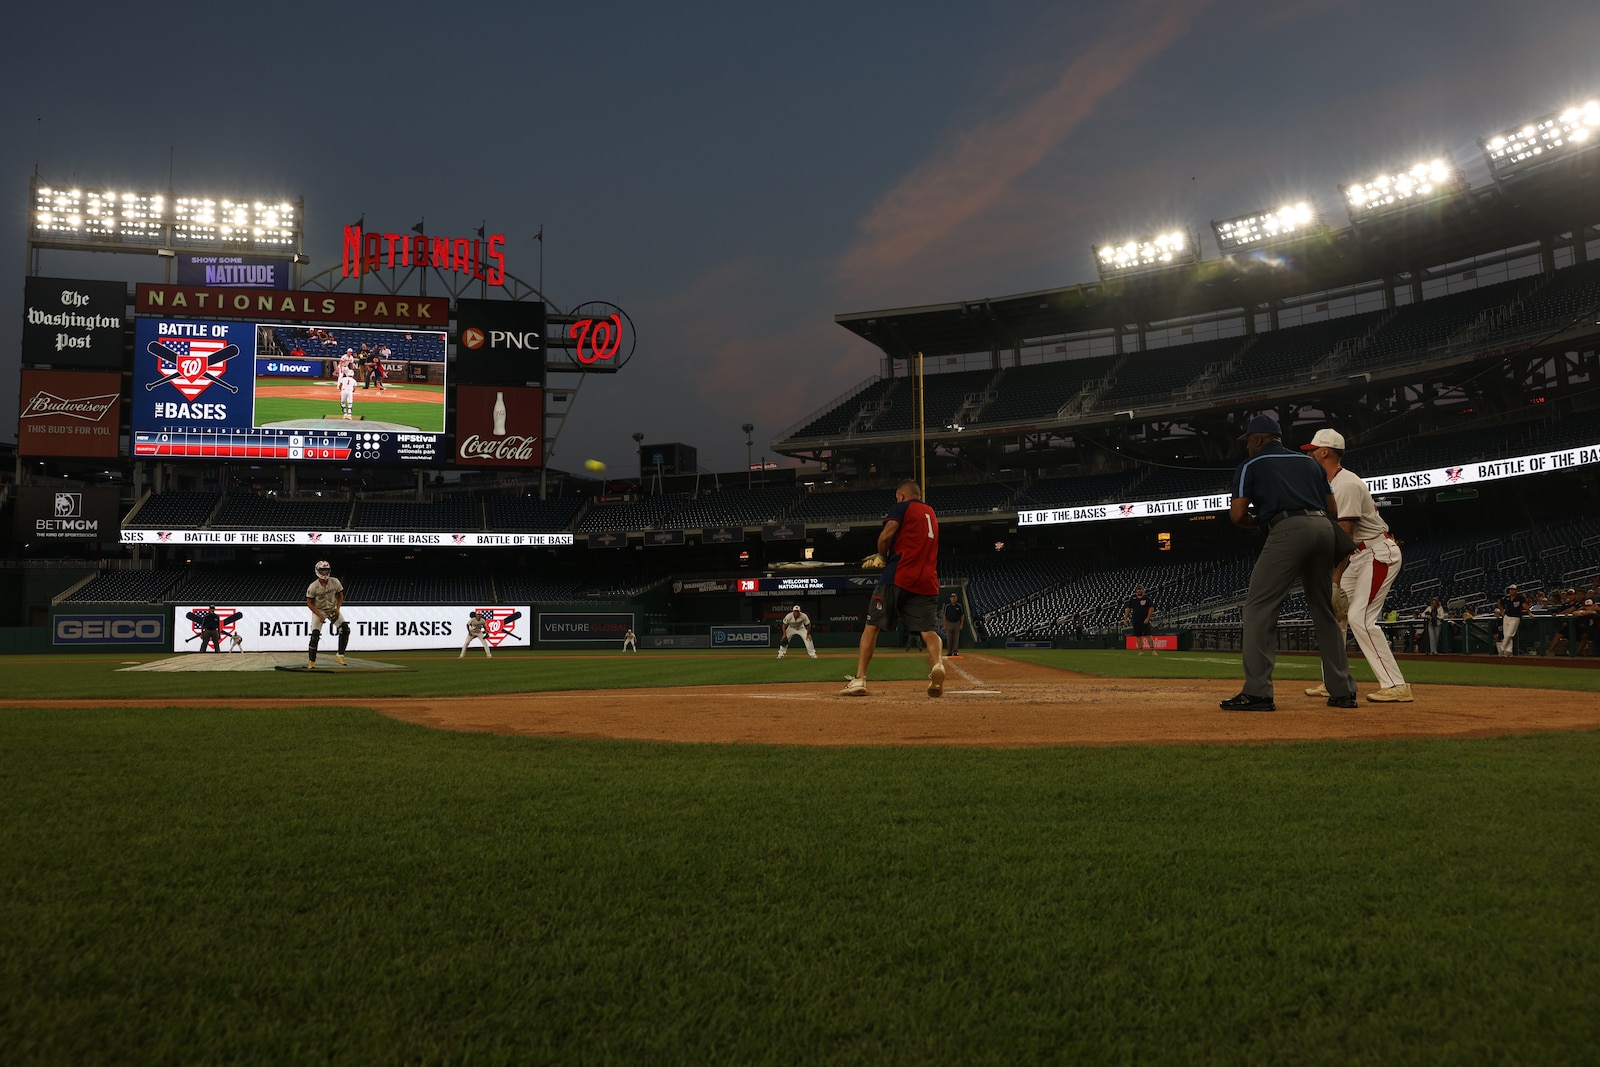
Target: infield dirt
988	701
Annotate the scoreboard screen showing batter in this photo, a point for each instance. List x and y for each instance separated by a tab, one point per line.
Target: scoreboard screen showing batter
275	391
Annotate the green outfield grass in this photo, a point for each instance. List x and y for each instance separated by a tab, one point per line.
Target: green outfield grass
1292	669
200	886
440	674
519	671
424	414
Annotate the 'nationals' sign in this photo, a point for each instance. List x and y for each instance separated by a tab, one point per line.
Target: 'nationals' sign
69	413
192	301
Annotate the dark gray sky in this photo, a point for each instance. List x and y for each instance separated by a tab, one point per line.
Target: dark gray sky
735	174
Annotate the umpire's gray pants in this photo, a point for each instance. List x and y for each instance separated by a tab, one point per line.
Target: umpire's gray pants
1300	546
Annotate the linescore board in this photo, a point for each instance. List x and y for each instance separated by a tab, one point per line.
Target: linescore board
271	391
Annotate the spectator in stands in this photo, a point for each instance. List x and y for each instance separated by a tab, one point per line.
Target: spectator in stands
1512	607
1541	604
954	617
1434	615
1079	633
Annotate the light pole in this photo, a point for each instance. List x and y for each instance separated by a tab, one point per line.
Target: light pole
749	477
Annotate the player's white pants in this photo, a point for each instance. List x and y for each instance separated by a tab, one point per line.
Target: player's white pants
1508	634
483	640
629	643
1366	582
347	398
811	649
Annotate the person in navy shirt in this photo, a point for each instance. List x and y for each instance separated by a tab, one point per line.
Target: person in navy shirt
1515	606
953	619
1136	615
1287	494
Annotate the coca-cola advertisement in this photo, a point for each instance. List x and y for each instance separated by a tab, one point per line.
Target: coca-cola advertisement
499	426
69	413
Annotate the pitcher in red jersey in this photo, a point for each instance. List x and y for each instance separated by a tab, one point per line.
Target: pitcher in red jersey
909	589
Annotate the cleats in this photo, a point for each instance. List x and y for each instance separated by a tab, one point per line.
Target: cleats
1396	694
1246	702
854	687
936	681
1317	691
339	659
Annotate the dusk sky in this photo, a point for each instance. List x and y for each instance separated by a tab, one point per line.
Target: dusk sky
734	175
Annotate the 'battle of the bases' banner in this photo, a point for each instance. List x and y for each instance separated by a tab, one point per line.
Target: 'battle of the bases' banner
1464	473
375	628
271	391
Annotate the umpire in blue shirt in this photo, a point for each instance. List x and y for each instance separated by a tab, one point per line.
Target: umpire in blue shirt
1293	502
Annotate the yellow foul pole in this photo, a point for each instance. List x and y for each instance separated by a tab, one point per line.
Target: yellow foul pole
921	466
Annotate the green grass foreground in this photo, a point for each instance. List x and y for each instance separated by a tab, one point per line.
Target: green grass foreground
195	886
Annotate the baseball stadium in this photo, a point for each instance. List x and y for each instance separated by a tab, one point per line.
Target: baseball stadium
354	830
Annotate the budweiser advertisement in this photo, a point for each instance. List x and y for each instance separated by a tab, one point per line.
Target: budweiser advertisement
69	413
499	426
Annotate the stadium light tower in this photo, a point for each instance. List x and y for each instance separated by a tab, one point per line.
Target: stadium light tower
749	443
1139	254
1262	228
1382	194
1543	140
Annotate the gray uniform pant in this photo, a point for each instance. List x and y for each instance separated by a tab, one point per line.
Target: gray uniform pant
1300	546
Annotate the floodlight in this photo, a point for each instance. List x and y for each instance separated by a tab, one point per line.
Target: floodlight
1434	179
1266	227
1543	140
1144	253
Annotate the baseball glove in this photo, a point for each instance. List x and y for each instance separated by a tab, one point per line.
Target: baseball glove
1341	605
874	562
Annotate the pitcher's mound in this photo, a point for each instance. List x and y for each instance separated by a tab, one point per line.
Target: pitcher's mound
261	661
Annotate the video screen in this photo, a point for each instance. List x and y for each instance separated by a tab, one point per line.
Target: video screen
237	390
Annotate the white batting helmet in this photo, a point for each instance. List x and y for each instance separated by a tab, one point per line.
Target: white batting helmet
323	568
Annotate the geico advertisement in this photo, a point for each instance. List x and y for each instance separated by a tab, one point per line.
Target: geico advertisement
373	628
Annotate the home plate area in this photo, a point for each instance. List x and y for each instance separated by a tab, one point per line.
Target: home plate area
262	661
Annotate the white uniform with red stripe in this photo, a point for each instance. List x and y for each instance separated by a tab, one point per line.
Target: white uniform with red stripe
1372	569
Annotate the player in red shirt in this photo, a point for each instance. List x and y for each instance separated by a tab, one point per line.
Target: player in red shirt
908	552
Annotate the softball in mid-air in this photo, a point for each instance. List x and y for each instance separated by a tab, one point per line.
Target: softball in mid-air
594	465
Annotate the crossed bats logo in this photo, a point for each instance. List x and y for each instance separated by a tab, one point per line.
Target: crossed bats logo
498	623
1453	473
191	366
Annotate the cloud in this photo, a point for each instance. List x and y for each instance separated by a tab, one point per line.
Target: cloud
974	173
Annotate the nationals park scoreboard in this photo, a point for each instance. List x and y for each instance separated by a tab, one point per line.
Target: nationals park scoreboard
254	375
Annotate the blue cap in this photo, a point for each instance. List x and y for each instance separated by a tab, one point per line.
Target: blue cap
1262	424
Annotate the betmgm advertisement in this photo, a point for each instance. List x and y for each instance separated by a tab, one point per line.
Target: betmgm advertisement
268	391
